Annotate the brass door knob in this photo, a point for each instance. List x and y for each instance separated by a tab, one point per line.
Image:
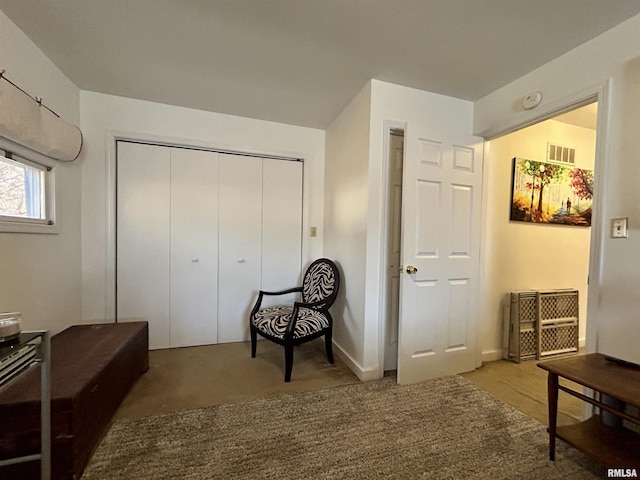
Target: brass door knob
411	270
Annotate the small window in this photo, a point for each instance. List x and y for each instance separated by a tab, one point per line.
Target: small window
26	203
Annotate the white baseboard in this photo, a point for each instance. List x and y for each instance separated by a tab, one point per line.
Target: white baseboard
376	374
355	367
491	355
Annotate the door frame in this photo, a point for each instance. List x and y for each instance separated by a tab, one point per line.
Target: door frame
388	126
601	93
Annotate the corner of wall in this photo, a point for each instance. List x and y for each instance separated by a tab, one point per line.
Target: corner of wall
365	375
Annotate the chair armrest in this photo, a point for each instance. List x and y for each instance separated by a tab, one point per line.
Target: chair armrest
294	314
313	306
282	292
262	293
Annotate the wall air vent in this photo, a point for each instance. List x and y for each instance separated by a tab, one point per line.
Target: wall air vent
560	154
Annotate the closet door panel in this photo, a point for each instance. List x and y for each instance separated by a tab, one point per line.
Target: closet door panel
143	238
281	227
194	247
240	235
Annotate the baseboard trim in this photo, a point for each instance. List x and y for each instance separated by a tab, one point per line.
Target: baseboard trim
365	375
491	356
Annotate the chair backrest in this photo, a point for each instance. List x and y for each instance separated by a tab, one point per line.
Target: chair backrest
321	282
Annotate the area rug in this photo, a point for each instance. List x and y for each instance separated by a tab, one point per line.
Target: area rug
445	428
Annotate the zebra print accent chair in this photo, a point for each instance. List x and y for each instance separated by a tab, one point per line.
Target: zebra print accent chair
292	325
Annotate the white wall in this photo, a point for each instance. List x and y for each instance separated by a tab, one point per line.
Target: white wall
106	116
614	302
523	256
345	222
40	274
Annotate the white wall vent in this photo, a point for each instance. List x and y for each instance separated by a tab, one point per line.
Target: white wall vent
558	153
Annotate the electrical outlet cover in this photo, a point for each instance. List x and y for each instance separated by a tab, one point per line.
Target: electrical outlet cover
619	228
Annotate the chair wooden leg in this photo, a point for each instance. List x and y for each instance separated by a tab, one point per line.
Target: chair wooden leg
254	341
288	362
329	346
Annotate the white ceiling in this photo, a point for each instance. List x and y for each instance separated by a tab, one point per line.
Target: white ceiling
301	61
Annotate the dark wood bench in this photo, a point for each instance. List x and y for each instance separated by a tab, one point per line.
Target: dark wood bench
93	367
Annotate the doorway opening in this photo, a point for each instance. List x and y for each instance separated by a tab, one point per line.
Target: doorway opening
395	160
547	248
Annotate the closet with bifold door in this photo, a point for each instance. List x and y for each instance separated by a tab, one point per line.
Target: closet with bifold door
198	233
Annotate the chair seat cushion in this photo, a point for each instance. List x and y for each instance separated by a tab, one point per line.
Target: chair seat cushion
274	321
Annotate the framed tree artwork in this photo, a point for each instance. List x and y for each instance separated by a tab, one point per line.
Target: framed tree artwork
551	193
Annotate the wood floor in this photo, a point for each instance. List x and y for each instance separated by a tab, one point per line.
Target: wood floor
195	377
524	387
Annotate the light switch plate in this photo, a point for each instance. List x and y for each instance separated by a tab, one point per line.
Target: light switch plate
619	228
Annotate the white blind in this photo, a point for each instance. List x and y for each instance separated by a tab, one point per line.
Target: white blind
24	122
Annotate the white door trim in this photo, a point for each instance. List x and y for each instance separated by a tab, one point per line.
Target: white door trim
384	244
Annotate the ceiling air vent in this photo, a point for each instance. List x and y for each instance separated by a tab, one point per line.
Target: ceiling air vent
558	153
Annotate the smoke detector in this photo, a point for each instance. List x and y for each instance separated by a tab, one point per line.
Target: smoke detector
532	100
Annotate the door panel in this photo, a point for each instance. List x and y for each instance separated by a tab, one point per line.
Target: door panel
441	208
281	227
458	314
428	213
194	247
240	244
461	220
143	239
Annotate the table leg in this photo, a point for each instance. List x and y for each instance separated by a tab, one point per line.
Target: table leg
552	393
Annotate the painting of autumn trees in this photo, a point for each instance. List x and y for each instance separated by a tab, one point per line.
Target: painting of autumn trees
551	193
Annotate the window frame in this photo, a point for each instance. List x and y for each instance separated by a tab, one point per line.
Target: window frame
48	224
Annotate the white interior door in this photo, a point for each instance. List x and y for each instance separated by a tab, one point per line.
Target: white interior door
194	247
440	222
143	240
240	243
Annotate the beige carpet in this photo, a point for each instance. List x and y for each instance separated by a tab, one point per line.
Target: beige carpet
445	428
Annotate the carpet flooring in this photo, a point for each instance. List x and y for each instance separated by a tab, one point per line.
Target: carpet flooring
446	428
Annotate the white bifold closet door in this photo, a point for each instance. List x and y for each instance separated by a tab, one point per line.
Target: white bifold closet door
143	234
240	242
198	234
193	248
281	227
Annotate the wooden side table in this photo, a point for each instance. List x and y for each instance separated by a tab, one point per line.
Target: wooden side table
611	447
